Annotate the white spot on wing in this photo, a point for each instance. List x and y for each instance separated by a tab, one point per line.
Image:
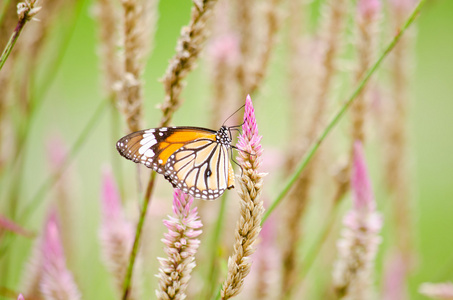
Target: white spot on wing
148	153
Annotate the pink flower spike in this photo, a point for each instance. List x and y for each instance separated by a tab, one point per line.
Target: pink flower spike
56	278
358	246
250	186
368	9
116	234
111	203
360	182
249	140
180	246
394	278
20	297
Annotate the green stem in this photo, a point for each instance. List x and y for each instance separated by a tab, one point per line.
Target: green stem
53	179
215	240
138	233
337	117
316	248
50	182
37	98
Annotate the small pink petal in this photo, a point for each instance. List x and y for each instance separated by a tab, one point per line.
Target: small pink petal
360	182
20	297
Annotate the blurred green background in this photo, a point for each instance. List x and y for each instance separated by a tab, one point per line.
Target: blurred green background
77	90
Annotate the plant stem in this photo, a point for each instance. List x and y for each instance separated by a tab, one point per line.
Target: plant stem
50	182
12	41
138	233
53	179
337	117
215	239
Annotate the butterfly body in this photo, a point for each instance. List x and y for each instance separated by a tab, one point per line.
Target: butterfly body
193	159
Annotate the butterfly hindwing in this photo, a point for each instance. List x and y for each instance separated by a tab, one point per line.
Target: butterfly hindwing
201	168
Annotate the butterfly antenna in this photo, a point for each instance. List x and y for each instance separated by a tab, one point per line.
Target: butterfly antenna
240	150
232	158
233	115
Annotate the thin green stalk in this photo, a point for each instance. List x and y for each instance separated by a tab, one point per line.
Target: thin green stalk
337	117
311	256
53	179
37	98
214	246
138	233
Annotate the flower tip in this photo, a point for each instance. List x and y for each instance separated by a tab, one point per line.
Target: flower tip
52	244
369	9
20	297
110	195
361	186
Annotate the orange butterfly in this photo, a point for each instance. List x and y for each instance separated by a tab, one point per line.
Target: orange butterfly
195	160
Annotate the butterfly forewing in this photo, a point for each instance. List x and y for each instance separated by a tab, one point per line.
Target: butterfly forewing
191	158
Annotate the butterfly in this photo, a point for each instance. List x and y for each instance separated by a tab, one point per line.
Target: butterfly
194	159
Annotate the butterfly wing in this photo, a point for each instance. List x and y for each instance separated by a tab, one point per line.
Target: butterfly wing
201	168
152	147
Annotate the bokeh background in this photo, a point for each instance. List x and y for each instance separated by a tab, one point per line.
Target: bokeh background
76	90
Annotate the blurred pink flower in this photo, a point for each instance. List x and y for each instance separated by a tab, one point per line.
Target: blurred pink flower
56	151
181	244
20	297
363	197
57	281
394	278
368	9
357	249
224	49
402	5
442	291
116	235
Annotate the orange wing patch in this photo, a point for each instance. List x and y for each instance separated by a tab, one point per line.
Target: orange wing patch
178	139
